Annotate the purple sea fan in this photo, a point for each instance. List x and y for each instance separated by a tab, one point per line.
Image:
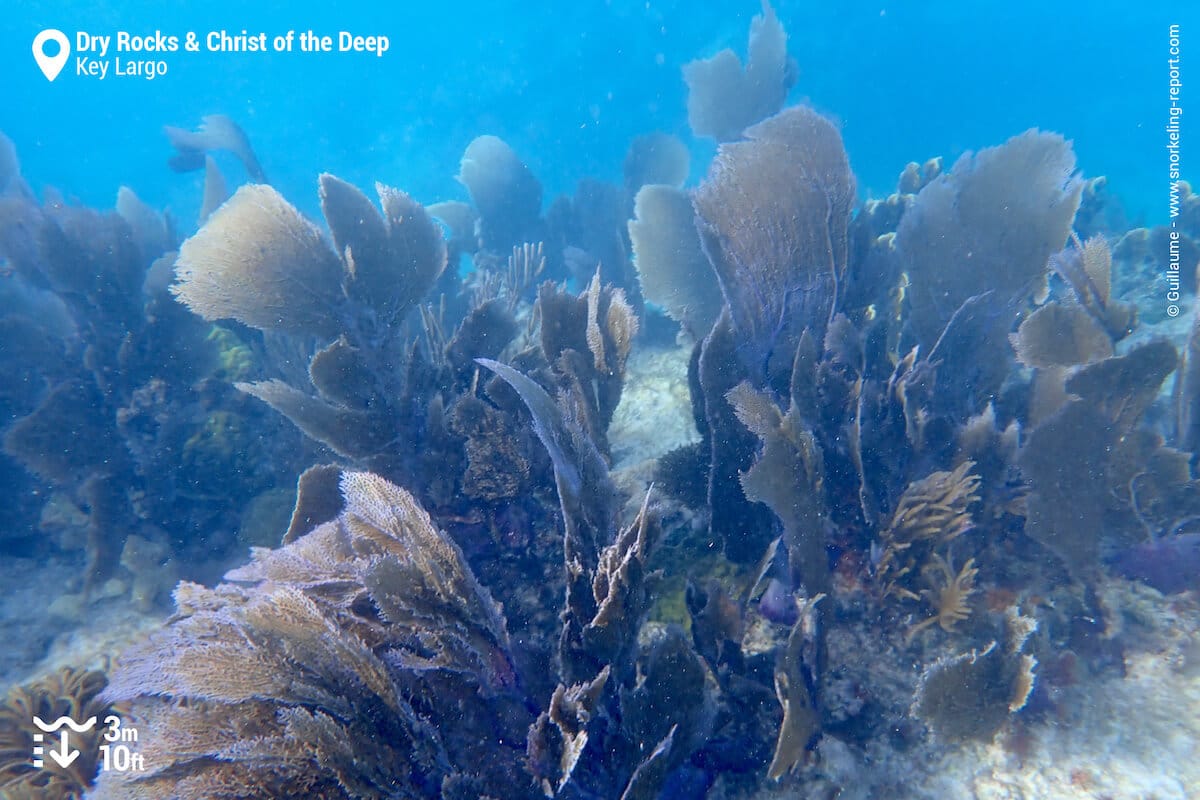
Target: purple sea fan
1170	563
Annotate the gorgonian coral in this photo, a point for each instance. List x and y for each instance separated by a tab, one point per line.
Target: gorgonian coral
337	666
725	97
773	217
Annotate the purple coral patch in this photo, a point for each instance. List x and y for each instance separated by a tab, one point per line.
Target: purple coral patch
1170	564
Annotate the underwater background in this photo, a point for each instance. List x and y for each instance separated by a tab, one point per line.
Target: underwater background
570	88
603	400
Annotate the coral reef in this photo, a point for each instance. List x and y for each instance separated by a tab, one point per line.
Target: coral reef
892	431
938	480
371	640
114	405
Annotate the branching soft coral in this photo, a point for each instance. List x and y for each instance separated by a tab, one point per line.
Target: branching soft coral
948	593
70	692
932	512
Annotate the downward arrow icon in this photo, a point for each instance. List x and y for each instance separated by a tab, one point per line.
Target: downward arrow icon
64	755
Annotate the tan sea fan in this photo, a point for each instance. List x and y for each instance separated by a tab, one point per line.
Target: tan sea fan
257	260
316	670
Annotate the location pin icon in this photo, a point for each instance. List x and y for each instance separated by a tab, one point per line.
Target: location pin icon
51	65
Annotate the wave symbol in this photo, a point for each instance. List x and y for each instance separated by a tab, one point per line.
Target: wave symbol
70	723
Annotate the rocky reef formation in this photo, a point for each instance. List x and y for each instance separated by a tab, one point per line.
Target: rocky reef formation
932	433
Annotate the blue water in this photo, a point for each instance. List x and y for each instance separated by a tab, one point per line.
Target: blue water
208	470
568	84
